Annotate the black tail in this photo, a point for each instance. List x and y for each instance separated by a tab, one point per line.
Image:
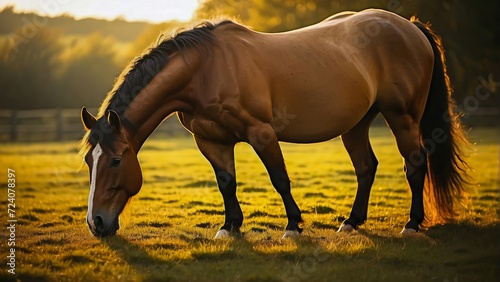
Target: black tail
447	171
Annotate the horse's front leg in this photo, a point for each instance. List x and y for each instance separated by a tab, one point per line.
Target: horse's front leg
221	156
263	139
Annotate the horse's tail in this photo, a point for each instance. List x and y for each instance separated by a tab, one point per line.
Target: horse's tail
444	139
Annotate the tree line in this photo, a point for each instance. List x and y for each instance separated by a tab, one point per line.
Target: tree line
66	63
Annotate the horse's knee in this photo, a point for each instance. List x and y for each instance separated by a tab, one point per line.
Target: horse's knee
374	162
227	183
281	183
367	170
416	168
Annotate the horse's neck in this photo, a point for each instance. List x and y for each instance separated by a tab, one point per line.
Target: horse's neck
164	95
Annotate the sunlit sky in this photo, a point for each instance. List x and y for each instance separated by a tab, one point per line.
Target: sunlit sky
133	10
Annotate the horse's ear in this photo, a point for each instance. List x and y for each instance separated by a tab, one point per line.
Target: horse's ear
114	121
88	120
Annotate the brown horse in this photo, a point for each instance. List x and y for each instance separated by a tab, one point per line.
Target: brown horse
229	84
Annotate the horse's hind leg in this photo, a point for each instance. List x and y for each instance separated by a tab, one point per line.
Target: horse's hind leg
357	143
221	156
406	129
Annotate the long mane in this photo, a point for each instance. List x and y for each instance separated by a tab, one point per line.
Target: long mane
141	70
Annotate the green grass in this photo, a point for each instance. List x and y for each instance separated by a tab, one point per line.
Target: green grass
167	229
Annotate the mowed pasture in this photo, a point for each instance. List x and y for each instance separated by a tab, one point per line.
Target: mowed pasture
167	229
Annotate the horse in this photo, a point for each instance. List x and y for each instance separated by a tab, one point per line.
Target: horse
230	84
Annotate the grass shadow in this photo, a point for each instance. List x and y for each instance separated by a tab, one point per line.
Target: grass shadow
132	253
296	264
150	267
467	250
466	228
24	277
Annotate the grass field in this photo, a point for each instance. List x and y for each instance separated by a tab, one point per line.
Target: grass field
167	229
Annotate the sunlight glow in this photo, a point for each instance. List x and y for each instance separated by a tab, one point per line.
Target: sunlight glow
154	11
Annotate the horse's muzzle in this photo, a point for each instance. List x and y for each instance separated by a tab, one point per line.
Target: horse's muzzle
101	229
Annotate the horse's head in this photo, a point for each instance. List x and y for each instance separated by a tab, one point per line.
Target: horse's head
115	174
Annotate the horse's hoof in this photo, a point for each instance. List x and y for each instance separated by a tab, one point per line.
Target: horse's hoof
346	227
221	234
408	231
290	234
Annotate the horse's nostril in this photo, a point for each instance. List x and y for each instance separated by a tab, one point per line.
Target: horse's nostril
98	223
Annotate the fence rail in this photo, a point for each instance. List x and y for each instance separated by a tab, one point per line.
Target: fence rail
65	124
56	125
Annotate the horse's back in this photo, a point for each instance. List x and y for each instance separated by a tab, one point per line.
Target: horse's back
340	15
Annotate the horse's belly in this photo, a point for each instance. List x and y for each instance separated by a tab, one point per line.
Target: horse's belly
309	135
318	119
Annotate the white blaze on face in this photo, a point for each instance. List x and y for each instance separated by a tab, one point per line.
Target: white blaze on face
96	153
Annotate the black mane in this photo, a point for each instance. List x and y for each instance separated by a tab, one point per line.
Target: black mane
145	67
139	73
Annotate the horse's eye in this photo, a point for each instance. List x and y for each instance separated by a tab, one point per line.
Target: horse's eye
115	162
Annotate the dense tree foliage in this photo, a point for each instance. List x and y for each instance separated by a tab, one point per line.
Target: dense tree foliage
27	70
61	62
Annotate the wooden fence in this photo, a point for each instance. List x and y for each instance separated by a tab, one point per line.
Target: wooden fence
65	124
56	125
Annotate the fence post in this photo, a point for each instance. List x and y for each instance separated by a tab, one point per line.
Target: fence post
13	125
59	124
